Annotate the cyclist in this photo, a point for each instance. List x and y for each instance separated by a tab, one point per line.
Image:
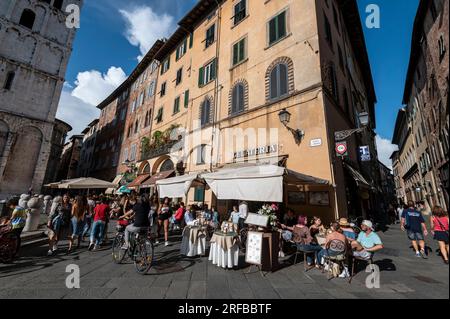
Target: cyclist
141	207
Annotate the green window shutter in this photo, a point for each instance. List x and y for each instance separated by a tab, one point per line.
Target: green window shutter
177	57
242	50
168	62
201	71
191	40
213	69
185	46
281	25
235	53
186	99
273	30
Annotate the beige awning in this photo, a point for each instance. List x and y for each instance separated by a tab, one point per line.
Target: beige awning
86	183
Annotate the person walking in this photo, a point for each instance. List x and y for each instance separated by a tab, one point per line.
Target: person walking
163	220
59	223
243	213
152	216
101	212
79	210
414	224
18	219
439	229
88	217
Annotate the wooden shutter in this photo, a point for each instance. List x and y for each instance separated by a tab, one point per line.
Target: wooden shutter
201	72
186	99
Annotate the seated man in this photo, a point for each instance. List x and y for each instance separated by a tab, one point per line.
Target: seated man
367	243
188	217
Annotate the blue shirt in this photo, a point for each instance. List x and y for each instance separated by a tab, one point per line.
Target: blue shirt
369	241
188	217
235	217
414	220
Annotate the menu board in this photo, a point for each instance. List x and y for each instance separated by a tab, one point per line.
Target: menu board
253	254
257	220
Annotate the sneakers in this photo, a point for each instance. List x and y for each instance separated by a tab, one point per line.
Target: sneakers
157	242
91	246
423	254
166	244
96	247
418	254
446	262
55	248
50	253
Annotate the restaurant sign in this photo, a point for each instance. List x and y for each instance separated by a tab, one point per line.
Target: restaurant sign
264	150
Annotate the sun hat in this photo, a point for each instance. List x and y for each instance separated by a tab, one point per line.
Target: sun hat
343	222
367	223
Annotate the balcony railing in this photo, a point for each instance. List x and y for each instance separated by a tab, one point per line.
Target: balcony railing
157	151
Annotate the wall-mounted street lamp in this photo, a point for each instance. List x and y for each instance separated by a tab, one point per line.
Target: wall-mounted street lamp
364	122
285	118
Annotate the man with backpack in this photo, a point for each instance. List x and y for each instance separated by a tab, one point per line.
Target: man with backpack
413	222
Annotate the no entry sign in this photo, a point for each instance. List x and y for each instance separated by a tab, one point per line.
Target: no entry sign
341	148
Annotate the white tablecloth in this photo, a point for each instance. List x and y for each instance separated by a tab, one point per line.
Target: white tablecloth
192	247
224	259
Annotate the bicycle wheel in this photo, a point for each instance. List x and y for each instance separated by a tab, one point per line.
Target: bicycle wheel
118	253
8	247
143	256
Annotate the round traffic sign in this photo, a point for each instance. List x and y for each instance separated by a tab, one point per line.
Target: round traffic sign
341	148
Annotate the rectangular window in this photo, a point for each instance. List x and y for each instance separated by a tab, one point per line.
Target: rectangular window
159	116
207	73
210	36
151	89
239	51
199	195
191	40
186	99
165	66
133	153
277	28
163	89
9	81
176	105
181	50
125	155
179	76
240	11
201	155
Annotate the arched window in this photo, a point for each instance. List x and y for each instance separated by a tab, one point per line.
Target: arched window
205	112
237	99
279	81
146	169
58	4
167	166
27	18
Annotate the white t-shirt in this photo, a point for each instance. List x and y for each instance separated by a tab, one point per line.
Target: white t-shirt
243	210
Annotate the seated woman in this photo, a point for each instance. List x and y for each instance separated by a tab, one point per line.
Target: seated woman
335	234
189	217
317	230
347	230
302	237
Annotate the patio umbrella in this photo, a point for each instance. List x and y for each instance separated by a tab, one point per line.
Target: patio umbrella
123	190
86	183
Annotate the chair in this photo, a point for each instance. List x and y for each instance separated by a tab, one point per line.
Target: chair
305	255
336	253
355	262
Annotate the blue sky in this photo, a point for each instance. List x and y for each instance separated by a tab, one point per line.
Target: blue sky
114	33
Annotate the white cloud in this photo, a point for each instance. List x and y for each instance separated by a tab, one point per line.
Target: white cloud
144	27
385	150
75	112
93	87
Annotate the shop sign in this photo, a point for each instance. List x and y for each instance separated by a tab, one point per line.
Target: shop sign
316	142
341	149
270	149
364	154
253	253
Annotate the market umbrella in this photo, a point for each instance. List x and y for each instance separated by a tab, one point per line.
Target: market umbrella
124	190
86	183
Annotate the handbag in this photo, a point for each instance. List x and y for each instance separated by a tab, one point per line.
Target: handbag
442	226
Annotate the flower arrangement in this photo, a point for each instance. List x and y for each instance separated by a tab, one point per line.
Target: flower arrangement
271	212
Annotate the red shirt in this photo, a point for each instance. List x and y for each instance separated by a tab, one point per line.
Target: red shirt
440	223
100	211
179	214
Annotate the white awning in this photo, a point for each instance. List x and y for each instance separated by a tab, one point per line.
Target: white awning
175	187
255	183
112	190
86	183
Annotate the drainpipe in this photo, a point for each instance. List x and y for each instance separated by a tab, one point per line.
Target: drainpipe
216	83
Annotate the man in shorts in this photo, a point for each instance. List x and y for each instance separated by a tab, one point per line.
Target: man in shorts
368	242
414	224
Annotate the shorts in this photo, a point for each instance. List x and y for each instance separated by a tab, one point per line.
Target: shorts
441	236
412	235
363	254
164	216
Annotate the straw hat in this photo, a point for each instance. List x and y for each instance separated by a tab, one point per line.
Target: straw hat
344	222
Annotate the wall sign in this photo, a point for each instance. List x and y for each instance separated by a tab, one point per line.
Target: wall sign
364	154
341	148
316	142
270	149
253	253
257	220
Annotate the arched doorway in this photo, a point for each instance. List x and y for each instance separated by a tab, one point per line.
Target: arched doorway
22	160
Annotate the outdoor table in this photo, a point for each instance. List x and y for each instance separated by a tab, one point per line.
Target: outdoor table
224	249
194	241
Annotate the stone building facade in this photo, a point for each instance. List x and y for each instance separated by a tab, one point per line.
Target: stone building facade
87	149
59	136
68	167
426	107
35	50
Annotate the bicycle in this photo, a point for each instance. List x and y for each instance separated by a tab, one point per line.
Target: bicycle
140	249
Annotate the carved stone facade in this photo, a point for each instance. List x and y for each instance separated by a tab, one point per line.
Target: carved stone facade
35	50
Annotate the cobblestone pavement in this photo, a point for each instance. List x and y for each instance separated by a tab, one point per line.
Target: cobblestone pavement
402	276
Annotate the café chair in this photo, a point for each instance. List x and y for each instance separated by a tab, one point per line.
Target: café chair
305	254
355	262
336	253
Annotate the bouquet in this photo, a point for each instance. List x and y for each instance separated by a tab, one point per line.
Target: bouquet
271	212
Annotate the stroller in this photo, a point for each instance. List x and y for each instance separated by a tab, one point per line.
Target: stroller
9	244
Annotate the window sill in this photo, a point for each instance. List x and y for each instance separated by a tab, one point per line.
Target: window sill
238	64
237	24
278	41
206	84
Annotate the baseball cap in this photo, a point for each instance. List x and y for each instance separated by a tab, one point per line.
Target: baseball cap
367	223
